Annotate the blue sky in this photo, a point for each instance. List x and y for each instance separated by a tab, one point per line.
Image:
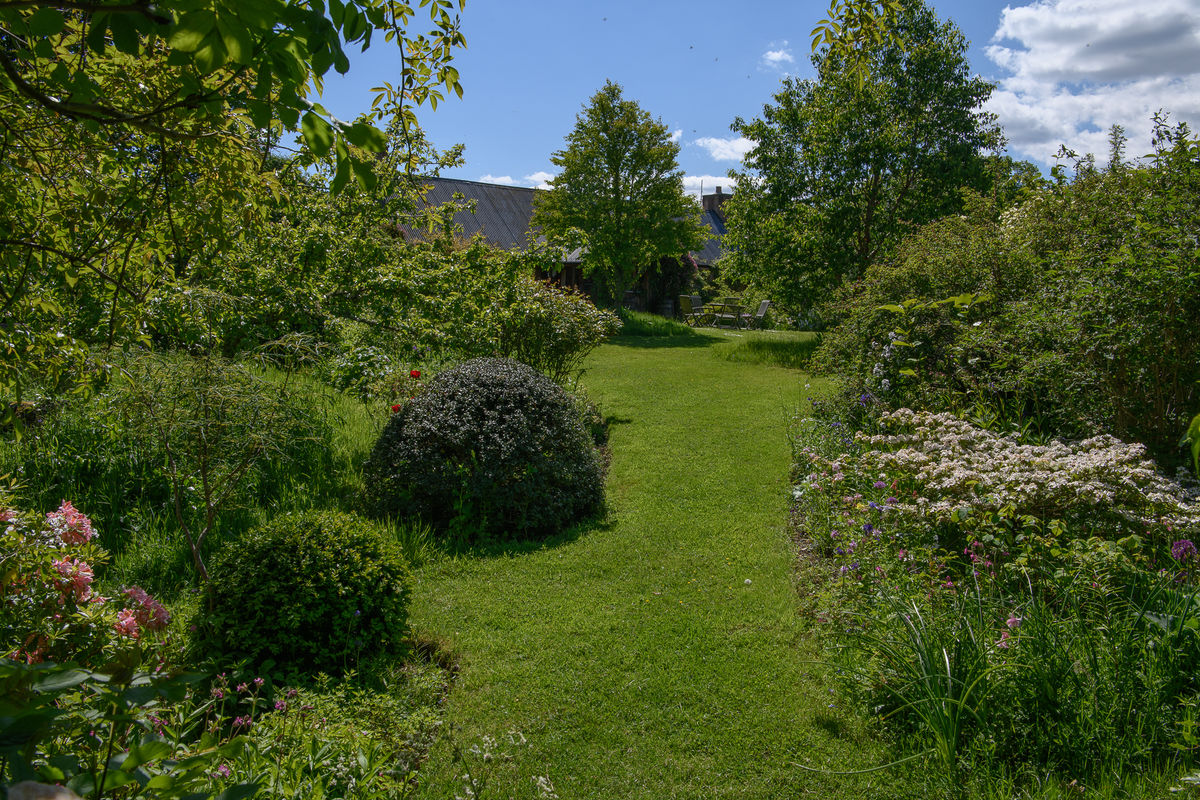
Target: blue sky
1066	71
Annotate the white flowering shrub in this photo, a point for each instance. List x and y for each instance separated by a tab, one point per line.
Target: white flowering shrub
955	464
960	557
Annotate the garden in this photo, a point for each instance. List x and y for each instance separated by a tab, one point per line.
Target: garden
303	494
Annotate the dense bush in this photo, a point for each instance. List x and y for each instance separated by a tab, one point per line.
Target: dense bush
1077	307
309	591
490	448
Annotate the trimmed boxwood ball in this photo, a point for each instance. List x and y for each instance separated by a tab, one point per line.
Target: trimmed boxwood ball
310	591
490	449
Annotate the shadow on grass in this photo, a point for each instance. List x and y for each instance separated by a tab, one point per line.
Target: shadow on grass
677	340
832	725
504	548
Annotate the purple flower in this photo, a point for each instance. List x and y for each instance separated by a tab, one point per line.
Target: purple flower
879	485
281	705
1013	621
1183	549
258	681
868	527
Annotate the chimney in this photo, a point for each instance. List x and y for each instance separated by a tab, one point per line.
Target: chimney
713	202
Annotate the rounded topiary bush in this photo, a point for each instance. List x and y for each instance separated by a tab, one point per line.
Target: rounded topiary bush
491	449
309	591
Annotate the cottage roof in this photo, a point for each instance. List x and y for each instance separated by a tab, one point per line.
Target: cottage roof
503	214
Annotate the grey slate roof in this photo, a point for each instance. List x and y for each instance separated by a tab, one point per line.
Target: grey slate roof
503	215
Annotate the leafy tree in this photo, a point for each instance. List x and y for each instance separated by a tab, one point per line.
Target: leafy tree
844	165
853	28
134	144
620	186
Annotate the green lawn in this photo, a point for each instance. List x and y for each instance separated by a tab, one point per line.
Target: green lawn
660	653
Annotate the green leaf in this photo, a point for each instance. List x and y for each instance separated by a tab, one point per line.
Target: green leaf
151	748
368	137
365	175
124	33
46	22
895	309
342	173
239	792
318	134
237	41
96	38
191	31
58	681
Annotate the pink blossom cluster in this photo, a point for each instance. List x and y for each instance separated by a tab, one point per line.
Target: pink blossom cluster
71	526
127	624
148	613
76	579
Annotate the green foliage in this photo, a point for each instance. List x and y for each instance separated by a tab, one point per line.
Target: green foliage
1087	295
620	187
307	591
490	449
103	735
1192	439
217	426
551	329
136	144
839	172
1007	603
855	27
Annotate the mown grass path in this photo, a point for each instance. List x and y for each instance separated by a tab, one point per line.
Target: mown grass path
660	654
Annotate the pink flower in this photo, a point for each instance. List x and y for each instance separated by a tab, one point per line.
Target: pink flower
126	624
71	526
1003	642
77	578
1013	621
150	613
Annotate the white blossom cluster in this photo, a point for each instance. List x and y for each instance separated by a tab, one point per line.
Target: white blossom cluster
960	464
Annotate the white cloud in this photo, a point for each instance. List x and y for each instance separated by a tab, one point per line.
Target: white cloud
540	180
692	184
777	56
506	180
725	149
1077	67
676	135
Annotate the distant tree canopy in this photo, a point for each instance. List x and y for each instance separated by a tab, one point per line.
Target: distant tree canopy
619	192
135	142
841	167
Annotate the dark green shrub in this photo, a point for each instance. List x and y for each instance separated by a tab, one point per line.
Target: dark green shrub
310	591
489	447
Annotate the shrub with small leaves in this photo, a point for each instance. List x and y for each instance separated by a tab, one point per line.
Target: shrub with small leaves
491	449
309	590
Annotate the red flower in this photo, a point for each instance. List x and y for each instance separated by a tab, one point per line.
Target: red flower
416	373
395	409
